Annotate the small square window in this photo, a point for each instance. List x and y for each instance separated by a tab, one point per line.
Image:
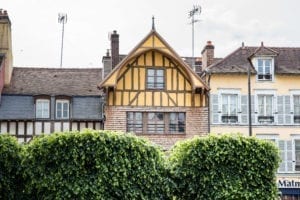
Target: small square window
155	79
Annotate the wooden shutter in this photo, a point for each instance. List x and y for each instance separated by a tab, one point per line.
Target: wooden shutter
286	155
253	109
280	113
244	109
289	156
282	153
215	108
287	110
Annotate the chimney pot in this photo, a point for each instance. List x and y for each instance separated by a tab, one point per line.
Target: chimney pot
262	43
114	31
5	12
209	42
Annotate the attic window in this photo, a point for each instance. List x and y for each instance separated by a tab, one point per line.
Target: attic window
265	70
155	79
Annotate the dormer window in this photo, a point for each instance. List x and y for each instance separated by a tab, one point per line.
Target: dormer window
265	70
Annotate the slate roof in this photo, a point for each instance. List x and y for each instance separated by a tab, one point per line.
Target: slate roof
287	60
54	81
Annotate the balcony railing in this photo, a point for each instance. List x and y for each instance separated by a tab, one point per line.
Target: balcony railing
229	118
297	119
264	76
265	119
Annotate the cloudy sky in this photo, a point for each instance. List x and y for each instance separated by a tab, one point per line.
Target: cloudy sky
227	23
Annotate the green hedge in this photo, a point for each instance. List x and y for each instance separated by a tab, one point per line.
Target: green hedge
94	165
225	167
10	163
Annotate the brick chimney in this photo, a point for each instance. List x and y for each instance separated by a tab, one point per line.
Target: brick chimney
106	61
207	55
114	39
6	45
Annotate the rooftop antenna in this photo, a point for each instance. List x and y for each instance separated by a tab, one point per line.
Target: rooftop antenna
62	19
195	11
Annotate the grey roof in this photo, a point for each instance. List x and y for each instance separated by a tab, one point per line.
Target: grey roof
54	81
287	60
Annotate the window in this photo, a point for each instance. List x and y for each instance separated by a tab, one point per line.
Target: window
229	108
296	108
42	108
134	122
177	123
297	155
156	122
62	109
264	69
155	79
265	109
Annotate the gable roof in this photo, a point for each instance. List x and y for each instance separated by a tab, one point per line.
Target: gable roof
54	81
153	41
286	60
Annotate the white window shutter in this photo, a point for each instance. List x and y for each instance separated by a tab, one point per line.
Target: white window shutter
280	109
282	153
215	108
287	110
244	109
290	156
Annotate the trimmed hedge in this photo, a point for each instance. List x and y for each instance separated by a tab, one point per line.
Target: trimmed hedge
10	163
225	167
94	165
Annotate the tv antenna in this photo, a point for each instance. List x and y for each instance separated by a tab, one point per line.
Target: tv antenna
195	11
62	19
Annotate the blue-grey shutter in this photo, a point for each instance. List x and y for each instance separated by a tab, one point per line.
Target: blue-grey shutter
244	109
289	156
287	109
214	108
280	113
53	108
282	153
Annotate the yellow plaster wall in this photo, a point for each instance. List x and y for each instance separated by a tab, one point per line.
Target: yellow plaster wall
283	132
282	83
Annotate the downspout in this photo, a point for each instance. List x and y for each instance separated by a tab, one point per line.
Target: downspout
208	100
249	97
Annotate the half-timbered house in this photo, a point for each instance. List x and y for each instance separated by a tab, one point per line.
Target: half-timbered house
45	100
154	93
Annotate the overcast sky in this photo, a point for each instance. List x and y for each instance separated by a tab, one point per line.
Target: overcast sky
227	23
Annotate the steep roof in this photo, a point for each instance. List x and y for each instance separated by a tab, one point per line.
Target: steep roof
54	81
153	41
287	60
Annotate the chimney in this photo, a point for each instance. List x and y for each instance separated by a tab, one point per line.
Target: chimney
6	45
114	39
207	55
106	61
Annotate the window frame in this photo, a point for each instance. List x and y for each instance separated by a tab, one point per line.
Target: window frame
155	77
232	91
294	93
264	59
165	125
266	119
62	109
37	100
295	137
